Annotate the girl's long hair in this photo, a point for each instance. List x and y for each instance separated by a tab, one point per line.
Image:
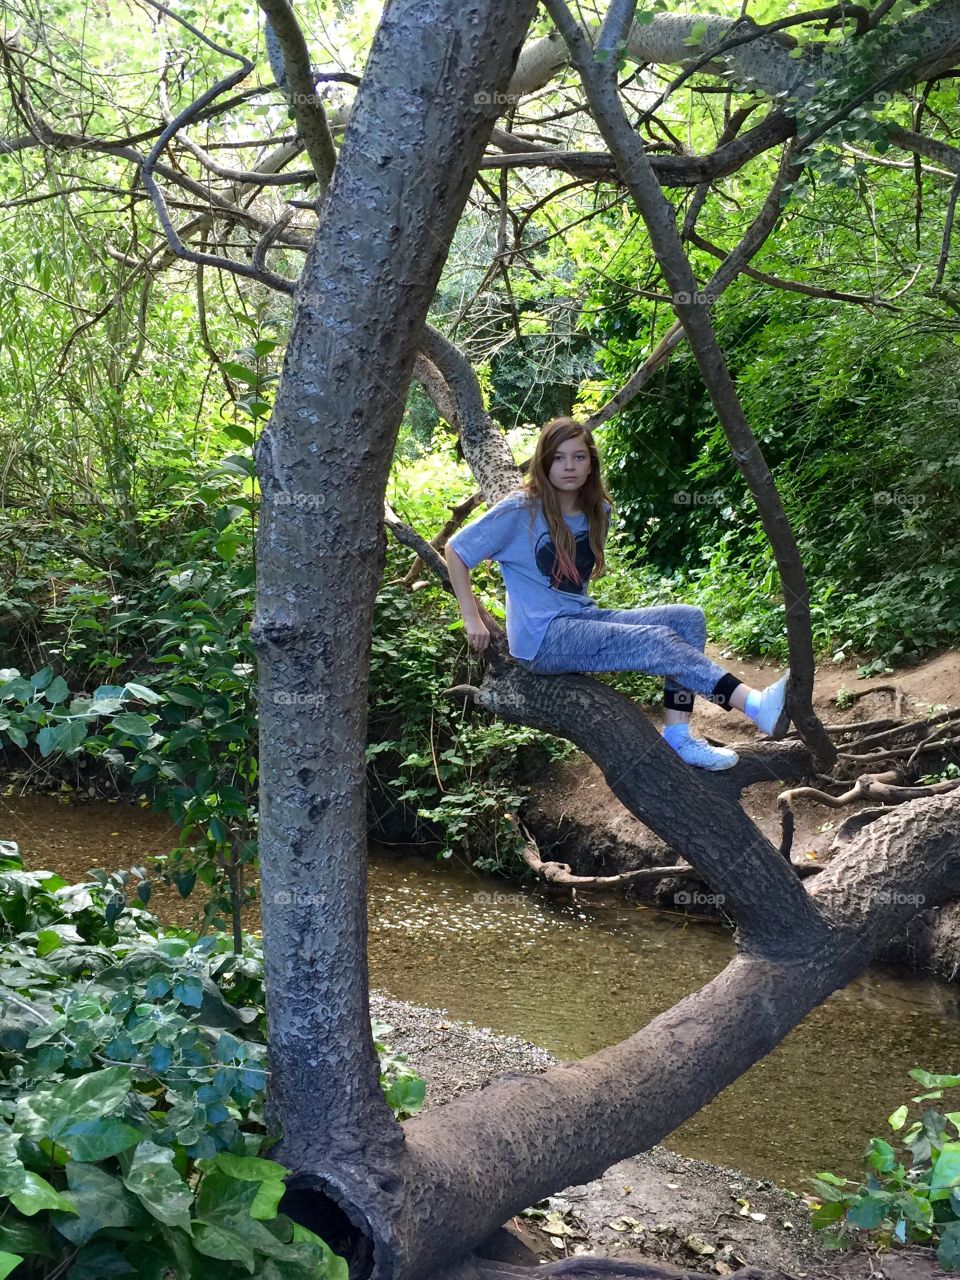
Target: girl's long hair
590	499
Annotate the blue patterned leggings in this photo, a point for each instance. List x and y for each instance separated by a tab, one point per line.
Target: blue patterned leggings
663	640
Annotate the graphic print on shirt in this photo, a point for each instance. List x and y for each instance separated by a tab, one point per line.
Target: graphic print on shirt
546	557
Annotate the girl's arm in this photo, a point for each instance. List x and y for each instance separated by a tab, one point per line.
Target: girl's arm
478	637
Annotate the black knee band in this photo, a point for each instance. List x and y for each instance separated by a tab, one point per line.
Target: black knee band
723	689
678	700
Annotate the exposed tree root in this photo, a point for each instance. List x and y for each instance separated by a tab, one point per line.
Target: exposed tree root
913	738
561	874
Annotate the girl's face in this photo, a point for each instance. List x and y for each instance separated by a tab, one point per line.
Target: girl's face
570	467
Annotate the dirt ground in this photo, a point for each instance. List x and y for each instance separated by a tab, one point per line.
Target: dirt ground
658	1207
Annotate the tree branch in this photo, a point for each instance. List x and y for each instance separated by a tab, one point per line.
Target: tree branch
290	62
692	312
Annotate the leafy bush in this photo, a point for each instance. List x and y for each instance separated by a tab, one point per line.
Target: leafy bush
132	1073
917	1201
446	760
849	411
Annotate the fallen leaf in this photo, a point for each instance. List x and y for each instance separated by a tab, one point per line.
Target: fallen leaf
698	1246
554	1222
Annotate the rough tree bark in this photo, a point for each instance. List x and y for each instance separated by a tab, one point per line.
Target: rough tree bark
406	1200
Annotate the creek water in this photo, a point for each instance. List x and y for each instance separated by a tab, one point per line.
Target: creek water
574	977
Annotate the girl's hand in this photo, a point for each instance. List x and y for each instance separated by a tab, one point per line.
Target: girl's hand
478	637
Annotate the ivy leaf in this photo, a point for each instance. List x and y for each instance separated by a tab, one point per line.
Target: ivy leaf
92	1140
880	1155
946	1172
406	1093
189	991
224	1207
37	1194
8	1261
51	1112
159	1188
948	1251
17	1235
99	1260
129	722
268	1175
48	940
185	882
101	1200
931	1081
898	1118
57	691
240	372
13	1175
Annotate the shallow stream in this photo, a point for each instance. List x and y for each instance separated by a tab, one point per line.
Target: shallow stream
574	977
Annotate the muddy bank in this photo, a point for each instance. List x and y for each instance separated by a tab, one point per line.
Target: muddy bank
575	818
657	1207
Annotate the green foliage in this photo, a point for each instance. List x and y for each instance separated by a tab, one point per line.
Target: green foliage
446	761
132	1073
864	450
910	1196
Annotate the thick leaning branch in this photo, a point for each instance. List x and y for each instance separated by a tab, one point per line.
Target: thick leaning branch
774	916
764	64
482	1158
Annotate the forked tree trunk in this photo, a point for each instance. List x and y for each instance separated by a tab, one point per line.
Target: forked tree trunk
411	151
405	1200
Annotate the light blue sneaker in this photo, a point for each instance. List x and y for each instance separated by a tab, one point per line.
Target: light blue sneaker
772	718
699	753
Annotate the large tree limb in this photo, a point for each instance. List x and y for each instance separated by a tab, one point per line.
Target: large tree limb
290	63
932	35
482	1158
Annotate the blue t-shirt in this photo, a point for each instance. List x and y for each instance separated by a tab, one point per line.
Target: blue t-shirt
526	555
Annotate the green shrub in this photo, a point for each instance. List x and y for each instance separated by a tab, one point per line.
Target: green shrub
132	1074
913	1196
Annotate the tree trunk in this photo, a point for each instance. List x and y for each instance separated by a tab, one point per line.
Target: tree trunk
411	151
402	1201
